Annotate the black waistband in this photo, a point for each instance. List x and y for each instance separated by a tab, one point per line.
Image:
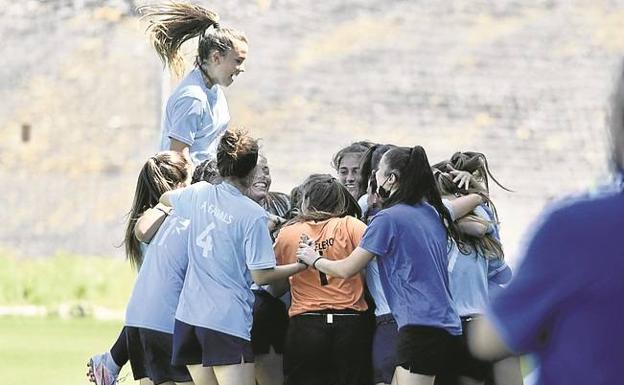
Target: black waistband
332	311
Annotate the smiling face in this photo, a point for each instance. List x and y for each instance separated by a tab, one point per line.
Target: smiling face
349	171
224	67
261	182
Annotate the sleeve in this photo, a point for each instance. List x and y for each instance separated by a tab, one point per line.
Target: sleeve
186	119
449	207
379	236
525	311
498	272
258	246
482	213
182	199
284	253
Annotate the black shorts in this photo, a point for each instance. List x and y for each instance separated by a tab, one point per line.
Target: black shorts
426	350
194	345
384	349
328	348
149	352
465	363
270	322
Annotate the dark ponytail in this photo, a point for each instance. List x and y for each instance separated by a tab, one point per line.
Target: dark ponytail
417	184
369	163
237	154
173	23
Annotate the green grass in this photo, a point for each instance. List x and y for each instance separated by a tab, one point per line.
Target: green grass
52	351
65	279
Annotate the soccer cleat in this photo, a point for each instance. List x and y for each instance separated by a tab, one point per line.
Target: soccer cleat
99	372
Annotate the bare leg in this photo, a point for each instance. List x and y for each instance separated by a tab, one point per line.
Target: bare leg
145	381
508	372
405	377
239	374
202	375
185	383
270	368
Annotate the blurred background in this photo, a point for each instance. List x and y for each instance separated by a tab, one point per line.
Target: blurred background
525	82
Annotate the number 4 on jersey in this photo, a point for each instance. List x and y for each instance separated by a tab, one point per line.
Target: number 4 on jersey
204	240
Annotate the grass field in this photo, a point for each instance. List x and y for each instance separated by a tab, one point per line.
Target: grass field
52	351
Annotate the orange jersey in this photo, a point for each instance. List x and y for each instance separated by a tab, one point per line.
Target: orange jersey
334	239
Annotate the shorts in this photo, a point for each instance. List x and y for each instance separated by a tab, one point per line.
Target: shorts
270	322
149	352
328	347
193	345
384	349
426	350
465	363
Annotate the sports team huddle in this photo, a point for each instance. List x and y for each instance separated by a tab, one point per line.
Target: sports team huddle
370	277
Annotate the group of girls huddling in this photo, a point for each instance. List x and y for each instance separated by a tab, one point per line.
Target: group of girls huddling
367	278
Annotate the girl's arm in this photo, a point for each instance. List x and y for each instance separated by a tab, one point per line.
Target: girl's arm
472	227
464	205
182	148
343	268
149	223
277	273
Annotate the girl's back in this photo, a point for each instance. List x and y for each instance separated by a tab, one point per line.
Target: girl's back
335	238
410	243
228	236
157	289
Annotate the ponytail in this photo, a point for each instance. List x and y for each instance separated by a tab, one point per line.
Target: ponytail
368	164
171	24
417	184
162	172
237	154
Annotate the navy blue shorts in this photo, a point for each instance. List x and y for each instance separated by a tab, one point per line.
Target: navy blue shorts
270	322
193	345
384	349
149	352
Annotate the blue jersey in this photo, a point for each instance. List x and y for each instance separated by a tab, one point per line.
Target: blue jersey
195	115
155	295
564	303
410	243
228	237
471	275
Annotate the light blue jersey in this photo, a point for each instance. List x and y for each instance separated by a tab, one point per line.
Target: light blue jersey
228	237
373	283
155	295
195	115
471	276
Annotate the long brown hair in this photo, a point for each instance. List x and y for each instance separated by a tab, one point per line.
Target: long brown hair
162	172
488	246
323	197
173	23
237	154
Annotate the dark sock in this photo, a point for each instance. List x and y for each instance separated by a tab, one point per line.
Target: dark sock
119	351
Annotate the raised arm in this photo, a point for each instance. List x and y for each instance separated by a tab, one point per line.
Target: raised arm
464	205
149	223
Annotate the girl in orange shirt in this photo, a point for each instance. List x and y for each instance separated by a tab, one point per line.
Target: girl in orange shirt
328	332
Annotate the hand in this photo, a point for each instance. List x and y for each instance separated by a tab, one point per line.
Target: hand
275	222
306	253
461	178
